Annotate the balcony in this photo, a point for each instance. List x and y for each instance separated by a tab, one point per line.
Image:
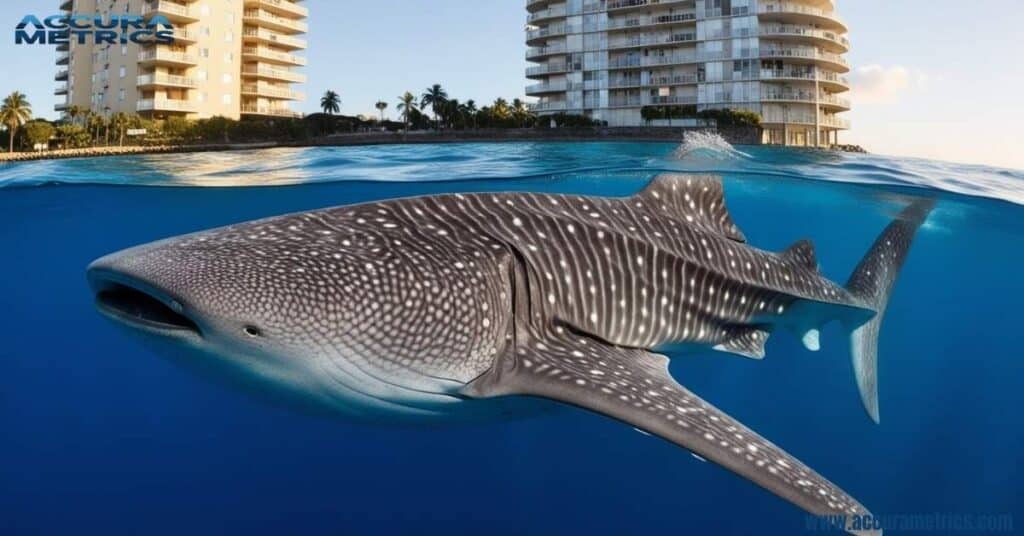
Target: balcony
174	12
164	80
550	31
654	40
63	47
546	14
62	75
280	7
264	90
166	105
628	5
554	106
800	14
185	36
806	53
829	80
660	20
63	58
270	73
549	87
824	38
66	5
62	89
266	19
550	68
825	100
250	109
825	120
541	52
254	53
670	80
160	56
534	5
260	35
60	107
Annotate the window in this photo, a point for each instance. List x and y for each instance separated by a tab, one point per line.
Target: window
229	57
120	95
205	9
231	18
204	53
124	50
204	31
227	78
121	72
227	98
202	75
229	36
201	97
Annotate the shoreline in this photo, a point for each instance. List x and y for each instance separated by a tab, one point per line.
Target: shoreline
739	136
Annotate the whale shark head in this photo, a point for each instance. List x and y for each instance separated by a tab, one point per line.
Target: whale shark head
269	307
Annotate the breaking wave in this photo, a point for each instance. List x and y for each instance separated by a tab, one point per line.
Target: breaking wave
706	145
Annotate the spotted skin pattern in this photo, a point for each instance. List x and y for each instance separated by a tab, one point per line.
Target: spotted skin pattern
424	305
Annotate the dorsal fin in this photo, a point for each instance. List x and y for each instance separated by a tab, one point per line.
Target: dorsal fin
802	253
697	199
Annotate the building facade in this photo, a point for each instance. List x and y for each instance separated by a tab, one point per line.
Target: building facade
230	58
610	59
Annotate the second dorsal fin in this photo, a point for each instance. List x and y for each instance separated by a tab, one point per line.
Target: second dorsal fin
699	200
802	253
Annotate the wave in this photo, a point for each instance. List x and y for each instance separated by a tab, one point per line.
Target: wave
707	145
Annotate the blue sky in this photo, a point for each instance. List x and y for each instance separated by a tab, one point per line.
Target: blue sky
932	78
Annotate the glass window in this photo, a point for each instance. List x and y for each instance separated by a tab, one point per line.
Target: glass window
122	72
227	78
227	98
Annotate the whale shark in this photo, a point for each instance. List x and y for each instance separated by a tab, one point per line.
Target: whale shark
484	305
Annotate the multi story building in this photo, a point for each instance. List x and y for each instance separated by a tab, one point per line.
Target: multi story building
609	59
230	58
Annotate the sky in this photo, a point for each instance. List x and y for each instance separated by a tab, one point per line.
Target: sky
931	78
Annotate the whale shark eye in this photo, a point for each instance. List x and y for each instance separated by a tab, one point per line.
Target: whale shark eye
252	331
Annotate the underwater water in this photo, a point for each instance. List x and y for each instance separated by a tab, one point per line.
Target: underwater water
100	435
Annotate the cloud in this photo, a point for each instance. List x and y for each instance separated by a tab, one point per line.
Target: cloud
876	84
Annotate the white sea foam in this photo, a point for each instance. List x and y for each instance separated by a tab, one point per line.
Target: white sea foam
706	145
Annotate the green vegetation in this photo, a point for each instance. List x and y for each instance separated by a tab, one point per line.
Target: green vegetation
724	117
38	132
16	111
330	103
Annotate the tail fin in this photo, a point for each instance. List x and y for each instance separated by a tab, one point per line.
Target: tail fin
872	282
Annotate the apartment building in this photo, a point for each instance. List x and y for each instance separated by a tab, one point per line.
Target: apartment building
231	58
609	59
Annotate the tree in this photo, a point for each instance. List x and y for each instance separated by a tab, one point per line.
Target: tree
381	106
38	132
521	113
434	97
74	112
16	111
93	123
406	105
119	122
72	136
330	103
500	109
469	112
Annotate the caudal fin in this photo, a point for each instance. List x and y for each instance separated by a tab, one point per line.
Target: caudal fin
872	282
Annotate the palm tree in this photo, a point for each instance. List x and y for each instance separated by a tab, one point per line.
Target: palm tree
520	111
16	111
500	108
381	106
74	112
406	104
119	122
330	103
469	111
94	122
433	97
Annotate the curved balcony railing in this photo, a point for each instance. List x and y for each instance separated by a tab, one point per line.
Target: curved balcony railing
787	30
810	76
641	22
783	8
653	40
804	53
547	69
551	31
825	120
621	101
539	52
164	80
626	4
552	106
804	96
545	14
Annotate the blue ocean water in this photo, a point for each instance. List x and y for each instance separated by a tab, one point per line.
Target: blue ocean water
102	436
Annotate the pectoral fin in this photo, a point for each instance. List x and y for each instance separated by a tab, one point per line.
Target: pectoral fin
634	386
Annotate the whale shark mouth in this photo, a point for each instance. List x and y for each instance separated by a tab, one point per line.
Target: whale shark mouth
138	308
